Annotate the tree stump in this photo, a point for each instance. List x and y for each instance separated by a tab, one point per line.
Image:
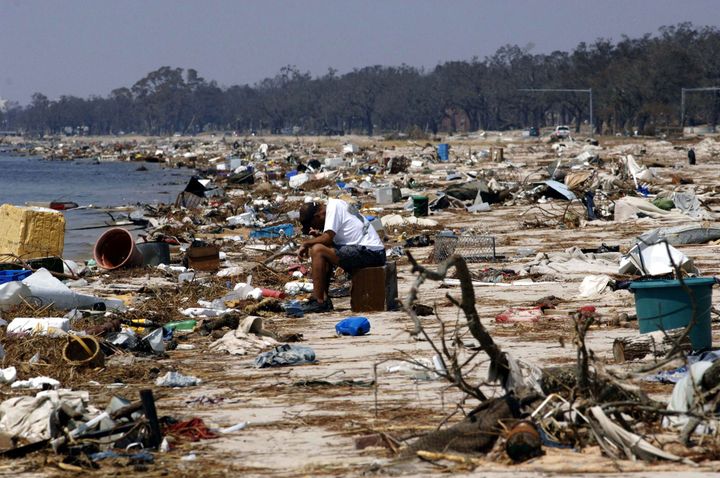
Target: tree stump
658	343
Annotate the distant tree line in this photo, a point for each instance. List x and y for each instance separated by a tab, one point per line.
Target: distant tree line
636	85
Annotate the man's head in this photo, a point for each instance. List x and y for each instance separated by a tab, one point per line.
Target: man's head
312	215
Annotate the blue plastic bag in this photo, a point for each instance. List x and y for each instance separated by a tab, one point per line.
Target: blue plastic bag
353	326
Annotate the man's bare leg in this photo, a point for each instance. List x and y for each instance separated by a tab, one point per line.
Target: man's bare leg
322	258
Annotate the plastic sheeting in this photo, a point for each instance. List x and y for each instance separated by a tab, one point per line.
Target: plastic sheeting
683	399
690	205
679	235
592	286
245	339
49	290
30	417
629	207
574	262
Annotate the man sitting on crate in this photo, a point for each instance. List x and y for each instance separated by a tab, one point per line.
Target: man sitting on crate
343	237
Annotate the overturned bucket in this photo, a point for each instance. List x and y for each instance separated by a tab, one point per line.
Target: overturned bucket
83	352
115	249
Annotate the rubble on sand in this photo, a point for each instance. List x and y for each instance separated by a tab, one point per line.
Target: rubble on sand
536	326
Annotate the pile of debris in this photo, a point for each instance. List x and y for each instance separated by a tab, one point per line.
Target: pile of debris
215	277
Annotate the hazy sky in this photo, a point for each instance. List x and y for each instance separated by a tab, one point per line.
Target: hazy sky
91	47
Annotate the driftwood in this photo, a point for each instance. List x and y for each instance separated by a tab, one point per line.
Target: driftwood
498	360
462	459
658	343
478	432
563	380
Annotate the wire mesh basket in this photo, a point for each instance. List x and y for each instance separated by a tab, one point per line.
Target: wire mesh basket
471	247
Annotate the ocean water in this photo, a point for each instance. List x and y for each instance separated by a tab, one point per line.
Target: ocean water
103	185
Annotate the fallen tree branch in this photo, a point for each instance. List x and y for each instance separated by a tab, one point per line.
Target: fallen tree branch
498	360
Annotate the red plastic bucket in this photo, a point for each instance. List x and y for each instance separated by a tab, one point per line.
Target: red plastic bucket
115	249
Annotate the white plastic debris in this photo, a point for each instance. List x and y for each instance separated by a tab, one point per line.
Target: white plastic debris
231	272
167	268
637	171
36	383
482	207
50	290
398	220
244	219
8	375
654	260
235	428
204	312
296	287
298	180
155	340
351	148
593	286
422	369
13	293
186	277
176	379
164	446
334	163
52	326
243	288
683	399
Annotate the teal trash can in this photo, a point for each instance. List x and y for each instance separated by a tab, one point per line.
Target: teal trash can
666	305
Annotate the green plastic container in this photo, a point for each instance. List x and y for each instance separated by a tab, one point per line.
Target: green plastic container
665	305
420	206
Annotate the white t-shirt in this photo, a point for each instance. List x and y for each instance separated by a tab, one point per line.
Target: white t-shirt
348	228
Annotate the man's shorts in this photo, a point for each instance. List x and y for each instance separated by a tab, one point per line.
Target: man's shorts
358	257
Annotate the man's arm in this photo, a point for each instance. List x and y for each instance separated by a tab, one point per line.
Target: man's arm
326	239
